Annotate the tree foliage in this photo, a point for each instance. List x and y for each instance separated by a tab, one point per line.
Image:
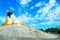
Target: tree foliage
54	30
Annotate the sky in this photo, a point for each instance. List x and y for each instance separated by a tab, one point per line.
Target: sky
40	14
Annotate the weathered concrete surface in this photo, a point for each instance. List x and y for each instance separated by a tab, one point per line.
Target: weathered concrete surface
14	32
23	38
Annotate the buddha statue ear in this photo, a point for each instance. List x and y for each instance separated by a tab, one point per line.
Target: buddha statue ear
8	13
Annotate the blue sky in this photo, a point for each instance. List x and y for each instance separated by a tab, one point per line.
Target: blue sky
37	13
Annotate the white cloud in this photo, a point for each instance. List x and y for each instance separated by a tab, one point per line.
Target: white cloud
34	25
39	11
25	18
52	2
26	13
55	14
2	19
52	15
23	2
46	9
11	8
38	4
32	7
49	23
37	15
57	10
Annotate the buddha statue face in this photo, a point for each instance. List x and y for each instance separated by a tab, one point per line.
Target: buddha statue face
8	21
